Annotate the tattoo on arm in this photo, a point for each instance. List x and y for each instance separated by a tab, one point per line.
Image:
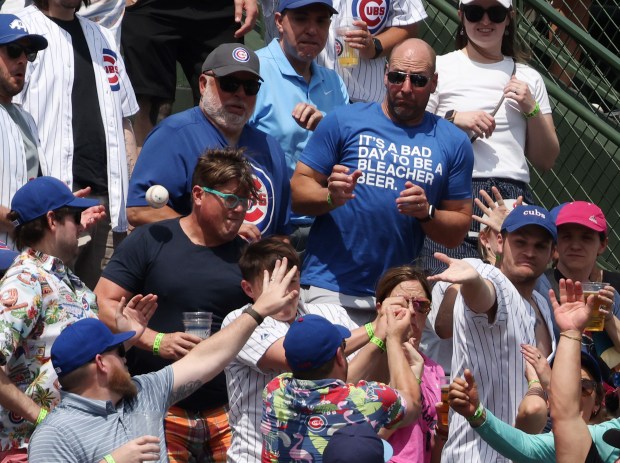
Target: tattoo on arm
185	390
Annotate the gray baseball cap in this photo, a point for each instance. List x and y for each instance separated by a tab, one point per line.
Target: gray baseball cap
232	57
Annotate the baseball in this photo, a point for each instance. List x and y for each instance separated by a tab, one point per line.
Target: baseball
157	196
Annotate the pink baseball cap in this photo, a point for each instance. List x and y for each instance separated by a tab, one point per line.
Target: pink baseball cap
583	213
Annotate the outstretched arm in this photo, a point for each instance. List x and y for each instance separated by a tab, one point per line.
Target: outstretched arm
478	293
210	357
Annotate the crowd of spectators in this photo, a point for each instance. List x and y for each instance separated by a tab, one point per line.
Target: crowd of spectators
302	204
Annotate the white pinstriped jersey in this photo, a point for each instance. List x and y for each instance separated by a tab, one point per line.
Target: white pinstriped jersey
13	169
47	96
492	352
245	381
365	82
107	13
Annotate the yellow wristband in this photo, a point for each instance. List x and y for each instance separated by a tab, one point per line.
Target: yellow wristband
369	331
534	381
157	343
379	343
41	417
109	459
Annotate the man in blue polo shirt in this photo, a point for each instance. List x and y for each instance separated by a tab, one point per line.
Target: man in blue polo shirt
297	92
229	83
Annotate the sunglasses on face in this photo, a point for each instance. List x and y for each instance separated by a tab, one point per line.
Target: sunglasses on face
475	13
231	84
15	50
398	78
231	201
587	387
422	306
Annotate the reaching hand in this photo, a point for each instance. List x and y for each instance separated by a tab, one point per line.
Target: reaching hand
340	184
537	366
93	214
496	213
276	295
571	313
135	315
398	324
307	116
463	395
458	271
249	232
145	448
251	15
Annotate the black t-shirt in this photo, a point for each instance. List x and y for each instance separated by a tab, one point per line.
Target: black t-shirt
159	258
89	142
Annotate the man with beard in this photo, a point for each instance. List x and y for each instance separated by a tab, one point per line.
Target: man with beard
81	100
20	142
496	311
95	421
39	297
379	177
229	83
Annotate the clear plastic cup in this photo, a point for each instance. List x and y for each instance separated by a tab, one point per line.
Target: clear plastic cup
597	319
348	57
198	323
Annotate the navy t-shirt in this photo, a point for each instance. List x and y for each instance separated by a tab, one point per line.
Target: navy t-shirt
159	258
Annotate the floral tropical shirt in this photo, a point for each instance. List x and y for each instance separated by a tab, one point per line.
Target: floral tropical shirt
39	297
300	415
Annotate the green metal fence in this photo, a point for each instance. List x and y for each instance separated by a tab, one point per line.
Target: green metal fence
581	68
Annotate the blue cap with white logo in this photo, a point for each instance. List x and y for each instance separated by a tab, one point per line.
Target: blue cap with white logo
293	4
522	216
12	29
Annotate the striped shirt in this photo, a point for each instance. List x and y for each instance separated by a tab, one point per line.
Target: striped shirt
365	81
82	430
13	168
47	96
493	354
245	381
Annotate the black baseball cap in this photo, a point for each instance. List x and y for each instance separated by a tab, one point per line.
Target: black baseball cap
232	57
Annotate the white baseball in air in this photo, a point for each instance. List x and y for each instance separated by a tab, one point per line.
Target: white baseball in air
157	196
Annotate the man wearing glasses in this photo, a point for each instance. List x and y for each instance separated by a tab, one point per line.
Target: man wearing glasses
39	297
229	83
191	263
20	142
379	177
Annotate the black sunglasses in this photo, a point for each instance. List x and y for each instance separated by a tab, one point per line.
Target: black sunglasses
15	50
398	78
231	84
587	387
475	13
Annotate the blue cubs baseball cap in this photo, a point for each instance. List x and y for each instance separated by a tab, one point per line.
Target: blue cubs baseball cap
357	443
292	4
43	194
311	341
12	29
7	256
80	343
522	216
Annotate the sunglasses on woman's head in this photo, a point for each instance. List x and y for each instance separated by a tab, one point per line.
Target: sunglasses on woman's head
475	13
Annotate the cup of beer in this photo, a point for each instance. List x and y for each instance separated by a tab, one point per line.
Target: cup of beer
347	57
442	411
597	319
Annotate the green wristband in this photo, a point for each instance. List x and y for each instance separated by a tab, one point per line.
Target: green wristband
379	343
330	202
534	112
157	343
109	459
534	381
478	413
41	417
369	331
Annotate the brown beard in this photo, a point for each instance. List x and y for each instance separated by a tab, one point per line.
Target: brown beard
121	383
